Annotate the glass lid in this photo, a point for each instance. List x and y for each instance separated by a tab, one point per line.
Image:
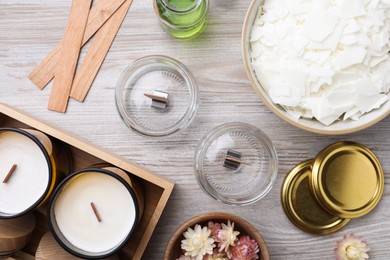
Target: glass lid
157	96
236	164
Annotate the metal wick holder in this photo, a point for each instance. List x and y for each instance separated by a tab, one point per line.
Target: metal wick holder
159	99
233	160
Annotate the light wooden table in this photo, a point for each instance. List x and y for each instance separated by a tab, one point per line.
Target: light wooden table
29	29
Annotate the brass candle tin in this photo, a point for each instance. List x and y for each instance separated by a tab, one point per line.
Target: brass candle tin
344	181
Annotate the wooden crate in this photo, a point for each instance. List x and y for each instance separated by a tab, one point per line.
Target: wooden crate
156	189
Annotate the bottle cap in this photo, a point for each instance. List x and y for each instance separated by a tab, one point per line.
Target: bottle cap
302	208
347	179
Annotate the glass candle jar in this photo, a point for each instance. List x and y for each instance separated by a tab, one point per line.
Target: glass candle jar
182	18
236	163
163	76
93	213
28	170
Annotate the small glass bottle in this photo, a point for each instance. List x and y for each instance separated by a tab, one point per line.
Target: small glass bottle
182	18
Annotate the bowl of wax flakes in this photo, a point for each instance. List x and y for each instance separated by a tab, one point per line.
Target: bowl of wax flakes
216	235
323	66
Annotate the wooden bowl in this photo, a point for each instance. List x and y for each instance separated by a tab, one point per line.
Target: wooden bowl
311	125
173	250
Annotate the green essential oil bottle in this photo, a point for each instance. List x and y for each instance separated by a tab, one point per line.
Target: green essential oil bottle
182	18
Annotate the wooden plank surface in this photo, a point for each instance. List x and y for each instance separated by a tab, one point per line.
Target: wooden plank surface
30	29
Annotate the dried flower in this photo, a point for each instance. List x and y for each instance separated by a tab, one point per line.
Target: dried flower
197	242
216	256
226	236
351	247
183	257
245	249
213	226
217	241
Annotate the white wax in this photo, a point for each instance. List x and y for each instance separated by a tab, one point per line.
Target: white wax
77	221
30	178
327	60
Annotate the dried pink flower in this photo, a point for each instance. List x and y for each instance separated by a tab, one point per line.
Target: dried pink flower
226	236
216	256
351	247
217	241
245	249
185	257
213	226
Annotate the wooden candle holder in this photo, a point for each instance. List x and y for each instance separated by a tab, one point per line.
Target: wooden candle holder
15	233
49	249
156	190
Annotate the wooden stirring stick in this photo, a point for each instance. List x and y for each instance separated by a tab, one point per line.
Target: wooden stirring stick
69	55
96	212
10	172
99	14
97	52
44	72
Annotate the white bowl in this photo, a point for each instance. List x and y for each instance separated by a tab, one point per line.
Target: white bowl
312	125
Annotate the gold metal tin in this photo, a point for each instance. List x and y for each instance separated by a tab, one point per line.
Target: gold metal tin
301	206
347	179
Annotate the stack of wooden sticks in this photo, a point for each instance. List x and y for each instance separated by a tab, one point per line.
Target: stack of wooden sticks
102	21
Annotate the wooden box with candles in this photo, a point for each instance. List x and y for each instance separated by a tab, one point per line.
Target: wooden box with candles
155	191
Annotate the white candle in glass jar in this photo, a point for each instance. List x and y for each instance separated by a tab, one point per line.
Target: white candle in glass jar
30	179
79	224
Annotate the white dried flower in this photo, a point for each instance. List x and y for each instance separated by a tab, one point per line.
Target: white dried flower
226	236
183	257
352	247
197	242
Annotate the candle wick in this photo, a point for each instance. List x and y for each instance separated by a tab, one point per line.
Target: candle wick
8	176
96	212
230	158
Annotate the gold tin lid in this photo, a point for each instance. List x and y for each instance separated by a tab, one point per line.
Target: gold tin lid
302	208
347	179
